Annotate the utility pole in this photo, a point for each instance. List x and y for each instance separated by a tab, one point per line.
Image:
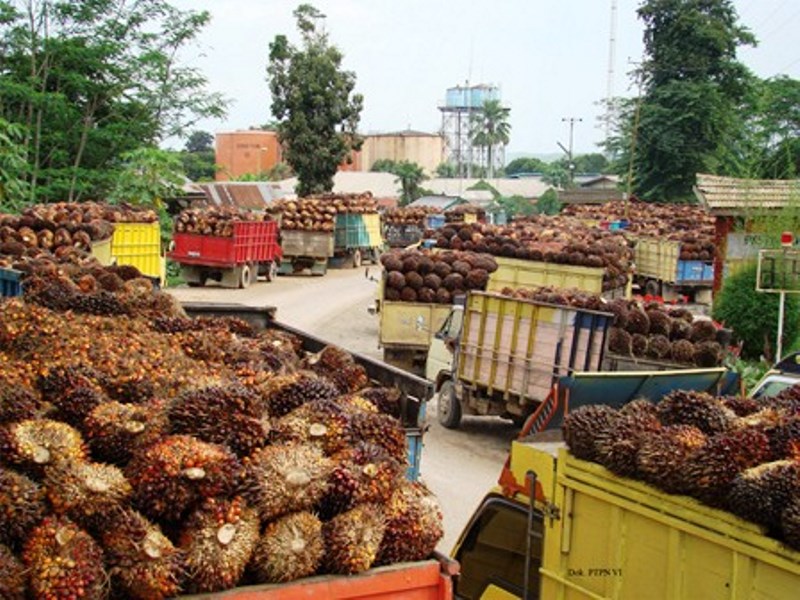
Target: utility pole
570	165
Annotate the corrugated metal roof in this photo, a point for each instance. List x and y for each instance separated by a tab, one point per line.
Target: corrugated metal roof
440	202
730	196
590	195
247	195
527	187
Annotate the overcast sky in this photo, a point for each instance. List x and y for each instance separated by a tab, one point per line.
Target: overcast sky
549	58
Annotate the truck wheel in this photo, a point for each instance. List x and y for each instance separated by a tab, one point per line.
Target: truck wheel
245	276
448	407
652	288
356	259
272	271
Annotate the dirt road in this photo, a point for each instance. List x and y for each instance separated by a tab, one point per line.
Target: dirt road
459	466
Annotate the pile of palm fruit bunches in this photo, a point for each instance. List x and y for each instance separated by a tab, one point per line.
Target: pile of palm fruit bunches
414	275
456	214
409	215
318	213
647	330
737	454
145	454
561	240
64	228
215	221
691	225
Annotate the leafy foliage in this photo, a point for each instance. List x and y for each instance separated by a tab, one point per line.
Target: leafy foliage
409	176
314	103
525	165
516	206
198	157
490	128
753	315
13	186
447	170
148	175
90	81
548	203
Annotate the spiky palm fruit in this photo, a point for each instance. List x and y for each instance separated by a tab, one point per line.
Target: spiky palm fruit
115	431
683	351
790	523
640	407
387	400
740	405
142	562
340	492
176	473
291	547
618	446
354	404
53	383
321	422
414	525
619	341
760	494
86	492
638	321
695	408
710	471
284	393
12	576
382	430
353	539
22	505
782	429
73	405
339	367
232	415
284	478
17	403
582	426
375	470
218	540
663	455
707	354
639	344
64	561
660	323
703	330
34	443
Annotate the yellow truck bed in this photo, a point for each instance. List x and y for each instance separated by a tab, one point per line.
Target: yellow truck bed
410	324
518	273
622	539
139	245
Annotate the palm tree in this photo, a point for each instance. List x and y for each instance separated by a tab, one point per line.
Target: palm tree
490	128
409	176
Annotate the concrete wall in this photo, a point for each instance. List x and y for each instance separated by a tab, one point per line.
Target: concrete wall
425	150
246	152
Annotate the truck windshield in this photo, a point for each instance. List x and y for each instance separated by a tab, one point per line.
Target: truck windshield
451	328
492	555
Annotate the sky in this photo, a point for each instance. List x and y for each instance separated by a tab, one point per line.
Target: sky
550	59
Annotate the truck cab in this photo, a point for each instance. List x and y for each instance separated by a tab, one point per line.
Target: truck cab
439	364
784	374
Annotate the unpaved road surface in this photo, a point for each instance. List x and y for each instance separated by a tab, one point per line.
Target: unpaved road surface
459	466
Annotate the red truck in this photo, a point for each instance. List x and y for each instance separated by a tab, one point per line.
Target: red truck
235	261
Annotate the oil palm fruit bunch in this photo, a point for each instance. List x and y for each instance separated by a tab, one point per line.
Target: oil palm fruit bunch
115	431
618	445
176	473
376	471
284	478
760	494
142	562
339	367
353	539
413	525
695	408
86	492
387	400
35	443
66	561
284	393
321	422
12	575
663	456
382	430
582	426
218	540
17	403
22	506
291	547
231	415
790	523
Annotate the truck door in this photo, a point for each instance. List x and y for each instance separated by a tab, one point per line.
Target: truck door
492	552
440	351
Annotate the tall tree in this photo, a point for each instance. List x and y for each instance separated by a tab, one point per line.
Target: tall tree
490	129
692	86
13	186
409	175
198	156
313	102
89	81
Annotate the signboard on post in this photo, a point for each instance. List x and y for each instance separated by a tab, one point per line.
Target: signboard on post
779	271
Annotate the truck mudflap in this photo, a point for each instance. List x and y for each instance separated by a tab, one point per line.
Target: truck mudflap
424	580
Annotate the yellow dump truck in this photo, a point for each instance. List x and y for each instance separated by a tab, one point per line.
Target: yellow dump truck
407	330
660	271
139	245
557	527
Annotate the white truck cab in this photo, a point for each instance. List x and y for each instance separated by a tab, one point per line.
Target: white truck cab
784	374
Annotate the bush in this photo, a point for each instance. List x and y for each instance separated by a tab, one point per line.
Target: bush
753	316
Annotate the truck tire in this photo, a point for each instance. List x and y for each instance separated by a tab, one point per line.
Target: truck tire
356	258
245	276
448	410
272	271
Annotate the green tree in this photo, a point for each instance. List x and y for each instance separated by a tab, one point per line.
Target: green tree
314	103
490	128
409	176
548	203
525	165
753	316
384	165
557	175
148	176
89	81
447	170
198	157
516	206
13	166
590	163
691	88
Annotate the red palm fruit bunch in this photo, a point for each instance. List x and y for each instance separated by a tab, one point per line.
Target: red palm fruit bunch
353	539
617	446
65	560
664	454
382	430
291	547
22	506
115	431
12	575
321	422
284	393
699	409
338	367
582	426
218	540
760	494
176	473
35	443
413	525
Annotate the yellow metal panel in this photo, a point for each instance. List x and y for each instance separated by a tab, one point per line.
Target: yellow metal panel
657	258
372	223
492	592
139	245
517	273
101	250
401	324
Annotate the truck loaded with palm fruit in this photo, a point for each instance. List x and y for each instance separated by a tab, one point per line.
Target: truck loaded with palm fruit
147	453
694	496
